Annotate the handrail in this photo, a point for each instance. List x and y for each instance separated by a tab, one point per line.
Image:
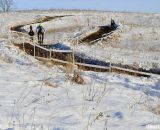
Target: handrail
103	36
76	63
71	51
94	66
25	35
35	44
134	71
63	51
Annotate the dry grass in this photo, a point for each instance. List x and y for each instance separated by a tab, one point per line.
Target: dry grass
157	110
49	84
49	64
70	68
64	29
114	39
137	37
78	78
73	73
3	36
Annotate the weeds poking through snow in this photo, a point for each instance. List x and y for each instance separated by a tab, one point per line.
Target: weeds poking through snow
48	83
77	78
157	110
94	92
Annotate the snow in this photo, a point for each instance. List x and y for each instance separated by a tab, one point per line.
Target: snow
40	97
60	46
27	102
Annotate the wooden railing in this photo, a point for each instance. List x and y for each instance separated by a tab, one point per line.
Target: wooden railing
22	38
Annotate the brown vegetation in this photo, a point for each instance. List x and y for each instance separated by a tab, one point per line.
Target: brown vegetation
77	78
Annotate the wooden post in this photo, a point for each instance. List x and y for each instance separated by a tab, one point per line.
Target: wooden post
77	42
110	67
23	44
73	57
10	37
50	53
110	64
101	39
88	21
34	51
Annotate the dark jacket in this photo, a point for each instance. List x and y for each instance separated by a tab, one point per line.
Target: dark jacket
40	29
31	33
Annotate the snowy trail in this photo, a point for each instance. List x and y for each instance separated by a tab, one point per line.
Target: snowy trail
34	96
124	68
94	64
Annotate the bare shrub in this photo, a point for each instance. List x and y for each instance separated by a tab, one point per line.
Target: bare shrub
77	78
48	83
6	5
70	68
98	117
157	110
155	65
145	102
95	92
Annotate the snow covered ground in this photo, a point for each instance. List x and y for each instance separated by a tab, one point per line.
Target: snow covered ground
34	96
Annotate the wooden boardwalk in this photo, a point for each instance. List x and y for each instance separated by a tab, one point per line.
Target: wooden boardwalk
64	57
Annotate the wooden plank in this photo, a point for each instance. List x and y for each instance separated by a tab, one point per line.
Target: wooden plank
57	60
43	48
76	63
113	68
92	66
62	51
103	36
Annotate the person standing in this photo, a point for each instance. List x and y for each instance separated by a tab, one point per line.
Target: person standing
113	24
40	32
31	33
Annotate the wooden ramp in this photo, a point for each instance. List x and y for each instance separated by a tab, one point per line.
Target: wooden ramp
60	57
64	57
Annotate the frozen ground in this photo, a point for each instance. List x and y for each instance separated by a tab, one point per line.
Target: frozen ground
34	96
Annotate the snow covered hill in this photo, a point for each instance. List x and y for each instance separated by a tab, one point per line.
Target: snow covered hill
34	96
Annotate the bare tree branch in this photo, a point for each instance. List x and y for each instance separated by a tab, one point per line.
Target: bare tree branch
6	5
